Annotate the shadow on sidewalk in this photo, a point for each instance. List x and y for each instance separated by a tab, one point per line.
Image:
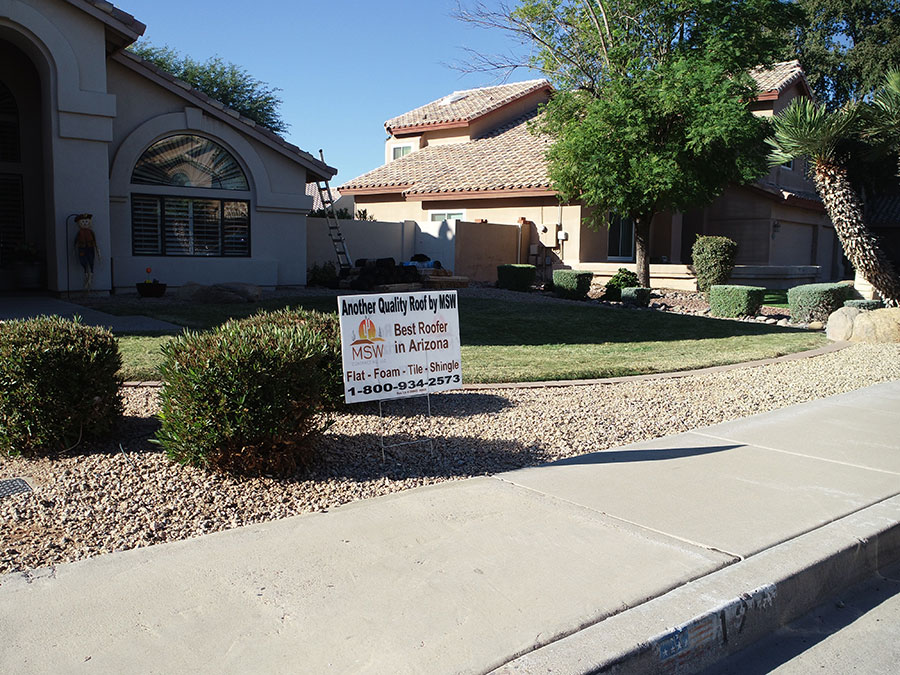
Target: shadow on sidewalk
654	455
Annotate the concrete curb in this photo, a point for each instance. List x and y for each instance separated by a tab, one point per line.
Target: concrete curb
696	625
827	349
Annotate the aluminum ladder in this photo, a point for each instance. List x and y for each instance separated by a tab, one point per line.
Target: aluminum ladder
334	225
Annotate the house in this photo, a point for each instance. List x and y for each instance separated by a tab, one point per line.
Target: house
471	156
175	181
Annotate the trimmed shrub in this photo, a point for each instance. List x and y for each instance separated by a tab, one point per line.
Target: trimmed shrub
865	305
624	278
250	395
325	275
636	295
732	301
516	277
814	302
59	383
713	261
572	284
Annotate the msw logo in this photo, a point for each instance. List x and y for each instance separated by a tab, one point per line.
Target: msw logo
365	351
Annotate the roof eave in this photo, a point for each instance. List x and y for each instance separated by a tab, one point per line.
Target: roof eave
480	194
122	28
319	170
376	190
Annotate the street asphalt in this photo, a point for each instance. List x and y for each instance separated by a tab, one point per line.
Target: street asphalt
659	557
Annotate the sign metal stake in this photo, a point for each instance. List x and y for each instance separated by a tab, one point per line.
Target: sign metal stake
429	440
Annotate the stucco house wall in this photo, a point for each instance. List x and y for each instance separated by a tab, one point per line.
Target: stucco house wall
99	109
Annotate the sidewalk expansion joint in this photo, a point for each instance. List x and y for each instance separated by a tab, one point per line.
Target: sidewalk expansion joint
735	557
795	454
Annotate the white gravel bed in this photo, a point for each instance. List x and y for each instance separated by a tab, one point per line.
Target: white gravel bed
99	498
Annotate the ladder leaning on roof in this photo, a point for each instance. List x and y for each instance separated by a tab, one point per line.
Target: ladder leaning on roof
334	225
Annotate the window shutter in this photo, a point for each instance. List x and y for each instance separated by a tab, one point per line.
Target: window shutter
178	226
207	227
145	221
237	229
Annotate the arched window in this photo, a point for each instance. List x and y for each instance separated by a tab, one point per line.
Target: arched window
189	161
175	222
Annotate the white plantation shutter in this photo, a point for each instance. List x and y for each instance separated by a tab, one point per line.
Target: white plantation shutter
145	222
178	226
236	229
206	227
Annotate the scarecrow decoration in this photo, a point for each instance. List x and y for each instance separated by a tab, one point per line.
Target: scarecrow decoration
86	247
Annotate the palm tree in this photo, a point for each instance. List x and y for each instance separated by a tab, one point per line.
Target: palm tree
807	129
883	119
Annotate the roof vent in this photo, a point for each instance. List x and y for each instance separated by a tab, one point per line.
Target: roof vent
450	99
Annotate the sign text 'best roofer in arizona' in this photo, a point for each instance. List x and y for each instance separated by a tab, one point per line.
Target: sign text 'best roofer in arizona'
399	344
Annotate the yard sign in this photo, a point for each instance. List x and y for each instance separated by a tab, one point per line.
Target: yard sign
399	344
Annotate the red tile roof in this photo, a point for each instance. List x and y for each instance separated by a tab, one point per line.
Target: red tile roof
510	158
464	106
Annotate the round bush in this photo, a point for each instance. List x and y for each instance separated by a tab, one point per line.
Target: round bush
250	395
59	384
713	261
624	278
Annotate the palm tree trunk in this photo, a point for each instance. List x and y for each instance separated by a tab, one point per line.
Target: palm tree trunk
642	248
860	245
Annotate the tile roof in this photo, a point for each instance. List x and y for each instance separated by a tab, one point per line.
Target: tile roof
508	158
313	191
884	211
233	117
778	76
464	106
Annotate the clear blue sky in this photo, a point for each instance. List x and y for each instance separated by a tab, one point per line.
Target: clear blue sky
344	66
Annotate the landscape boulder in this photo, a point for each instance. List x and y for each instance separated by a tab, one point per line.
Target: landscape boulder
878	325
840	324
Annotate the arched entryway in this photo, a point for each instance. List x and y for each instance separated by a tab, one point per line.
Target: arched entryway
23	229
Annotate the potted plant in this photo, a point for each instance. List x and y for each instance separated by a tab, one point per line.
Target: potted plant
150	288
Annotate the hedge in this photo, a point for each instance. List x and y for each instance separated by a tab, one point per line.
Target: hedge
624	278
733	301
59	384
864	305
516	277
572	284
636	295
814	302
713	261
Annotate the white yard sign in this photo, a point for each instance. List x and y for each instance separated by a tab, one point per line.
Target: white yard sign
399	344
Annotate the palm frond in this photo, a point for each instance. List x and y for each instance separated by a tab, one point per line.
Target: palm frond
807	129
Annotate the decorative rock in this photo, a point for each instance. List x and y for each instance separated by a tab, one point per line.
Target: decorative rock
771	321
250	292
815	325
783	322
878	325
840	323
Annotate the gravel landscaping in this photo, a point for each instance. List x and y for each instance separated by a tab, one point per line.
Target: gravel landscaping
103	497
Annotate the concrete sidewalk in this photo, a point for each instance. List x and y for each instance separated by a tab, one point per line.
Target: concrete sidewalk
24	307
658	557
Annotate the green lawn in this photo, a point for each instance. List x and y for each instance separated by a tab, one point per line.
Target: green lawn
776	297
530	340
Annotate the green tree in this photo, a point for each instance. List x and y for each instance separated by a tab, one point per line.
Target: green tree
846	46
650	112
223	81
883	119
827	138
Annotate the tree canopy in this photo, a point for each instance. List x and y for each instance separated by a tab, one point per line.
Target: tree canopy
846	47
223	81
650	112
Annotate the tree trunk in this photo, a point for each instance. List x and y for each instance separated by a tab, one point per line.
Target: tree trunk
642	248
860	245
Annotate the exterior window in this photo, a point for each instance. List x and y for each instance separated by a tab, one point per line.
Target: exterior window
621	238
187	161
182	226
447	215
401	151
9	126
788	165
